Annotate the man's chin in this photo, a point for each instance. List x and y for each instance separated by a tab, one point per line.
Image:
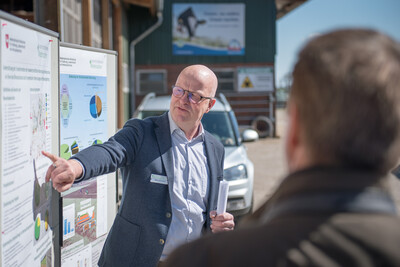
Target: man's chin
180	118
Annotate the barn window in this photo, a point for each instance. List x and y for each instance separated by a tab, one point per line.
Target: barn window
226	79
151	81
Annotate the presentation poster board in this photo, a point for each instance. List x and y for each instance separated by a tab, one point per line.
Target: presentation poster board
29	124
87	117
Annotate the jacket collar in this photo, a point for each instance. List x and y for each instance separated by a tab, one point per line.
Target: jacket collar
211	156
320	179
164	144
327	178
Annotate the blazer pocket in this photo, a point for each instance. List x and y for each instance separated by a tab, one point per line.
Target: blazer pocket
122	242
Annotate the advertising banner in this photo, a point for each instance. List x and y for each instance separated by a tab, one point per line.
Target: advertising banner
208	29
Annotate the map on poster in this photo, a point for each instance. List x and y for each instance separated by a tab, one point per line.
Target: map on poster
83	123
26	125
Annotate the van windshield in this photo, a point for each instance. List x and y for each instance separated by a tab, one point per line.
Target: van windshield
219	125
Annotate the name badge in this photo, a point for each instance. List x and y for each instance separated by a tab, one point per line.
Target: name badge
158	179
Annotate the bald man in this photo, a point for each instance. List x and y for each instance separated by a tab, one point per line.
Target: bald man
171	168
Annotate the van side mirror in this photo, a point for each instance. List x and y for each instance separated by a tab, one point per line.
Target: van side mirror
249	135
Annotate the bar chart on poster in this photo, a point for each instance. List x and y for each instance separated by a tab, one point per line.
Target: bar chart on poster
29	124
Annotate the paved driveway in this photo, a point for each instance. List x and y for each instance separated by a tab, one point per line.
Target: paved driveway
267	154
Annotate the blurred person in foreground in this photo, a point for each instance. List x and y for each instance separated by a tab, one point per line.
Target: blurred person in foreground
171	168
343	137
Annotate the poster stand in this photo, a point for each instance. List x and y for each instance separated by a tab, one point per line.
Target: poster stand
33	118
87	101
29	217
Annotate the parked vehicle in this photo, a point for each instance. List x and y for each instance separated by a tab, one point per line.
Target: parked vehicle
221	122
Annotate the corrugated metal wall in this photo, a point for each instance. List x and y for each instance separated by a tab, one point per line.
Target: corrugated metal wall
157	47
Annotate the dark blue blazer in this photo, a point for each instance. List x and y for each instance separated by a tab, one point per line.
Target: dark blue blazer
142	148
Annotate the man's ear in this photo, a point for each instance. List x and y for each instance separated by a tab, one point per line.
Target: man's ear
292	142
210	104
294	130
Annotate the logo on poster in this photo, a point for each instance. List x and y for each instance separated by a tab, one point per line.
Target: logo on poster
96	64
42	50
7	40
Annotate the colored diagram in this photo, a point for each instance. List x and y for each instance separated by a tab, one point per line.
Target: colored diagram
97	142
74	148
46	220
41	203
37	228
85	220
64	151
95	106
80	214
65	105
68	221
68	229
87	96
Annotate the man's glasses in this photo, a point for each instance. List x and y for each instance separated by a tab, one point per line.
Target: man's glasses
193	97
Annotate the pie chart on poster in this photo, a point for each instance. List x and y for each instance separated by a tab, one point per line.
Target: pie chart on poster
97	142
95	106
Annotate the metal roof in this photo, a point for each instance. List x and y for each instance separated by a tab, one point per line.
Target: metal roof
285	6
282	6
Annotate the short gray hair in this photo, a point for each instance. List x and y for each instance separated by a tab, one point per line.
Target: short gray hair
346	85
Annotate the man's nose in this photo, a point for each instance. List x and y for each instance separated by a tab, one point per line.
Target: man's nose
185	97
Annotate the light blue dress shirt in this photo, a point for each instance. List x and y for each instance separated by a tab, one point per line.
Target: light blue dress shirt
190	188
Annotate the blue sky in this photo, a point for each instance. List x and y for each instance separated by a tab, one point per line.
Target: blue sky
319	16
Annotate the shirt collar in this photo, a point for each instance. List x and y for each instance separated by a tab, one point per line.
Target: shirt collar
174	127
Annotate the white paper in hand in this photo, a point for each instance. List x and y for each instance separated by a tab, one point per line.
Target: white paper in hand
222	197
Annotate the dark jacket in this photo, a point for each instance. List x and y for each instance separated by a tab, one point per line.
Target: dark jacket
140	149
317	217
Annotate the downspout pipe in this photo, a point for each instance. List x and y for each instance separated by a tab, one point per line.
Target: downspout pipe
160	7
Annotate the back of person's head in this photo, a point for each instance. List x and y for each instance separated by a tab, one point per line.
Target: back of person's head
346	87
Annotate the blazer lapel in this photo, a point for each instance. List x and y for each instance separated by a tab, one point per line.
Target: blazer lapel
163	136
211	158
213	166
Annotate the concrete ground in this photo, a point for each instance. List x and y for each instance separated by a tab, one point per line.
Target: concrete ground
267	154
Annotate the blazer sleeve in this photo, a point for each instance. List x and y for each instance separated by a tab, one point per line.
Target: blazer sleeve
120	150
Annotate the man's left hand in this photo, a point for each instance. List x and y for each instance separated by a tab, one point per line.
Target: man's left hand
221	222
